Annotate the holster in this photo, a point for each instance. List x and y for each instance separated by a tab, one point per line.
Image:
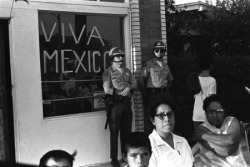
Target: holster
109	102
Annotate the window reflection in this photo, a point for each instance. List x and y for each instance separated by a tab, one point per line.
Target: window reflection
73	53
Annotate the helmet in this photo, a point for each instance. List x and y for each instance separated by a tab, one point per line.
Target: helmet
159	45
114	52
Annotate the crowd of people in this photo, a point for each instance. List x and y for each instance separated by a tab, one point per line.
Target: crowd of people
216	133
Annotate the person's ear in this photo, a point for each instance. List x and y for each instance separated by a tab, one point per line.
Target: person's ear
152	120
124	157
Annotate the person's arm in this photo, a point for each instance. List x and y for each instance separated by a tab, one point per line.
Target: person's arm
107	85
231	138
141	83
170	83
142	79
195	149
132	85
170	79
222	144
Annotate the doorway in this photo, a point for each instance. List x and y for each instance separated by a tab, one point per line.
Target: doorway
7	149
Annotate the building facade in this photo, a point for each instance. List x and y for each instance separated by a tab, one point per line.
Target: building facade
54	54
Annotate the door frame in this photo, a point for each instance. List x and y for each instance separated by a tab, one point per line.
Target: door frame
8	116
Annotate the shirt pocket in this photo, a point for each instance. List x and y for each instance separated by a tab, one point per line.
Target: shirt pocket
155	74
116	80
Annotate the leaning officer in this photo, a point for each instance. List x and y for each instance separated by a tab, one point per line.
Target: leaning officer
118	82
155	81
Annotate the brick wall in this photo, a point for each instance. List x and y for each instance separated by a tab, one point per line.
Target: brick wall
147	26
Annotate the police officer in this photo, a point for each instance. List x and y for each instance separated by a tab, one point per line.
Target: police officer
118	81
154	82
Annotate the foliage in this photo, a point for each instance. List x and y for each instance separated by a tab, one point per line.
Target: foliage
225	29
227	26
179	23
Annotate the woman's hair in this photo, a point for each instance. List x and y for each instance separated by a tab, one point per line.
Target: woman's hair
215	98
57	155
135	140
205	60
166	101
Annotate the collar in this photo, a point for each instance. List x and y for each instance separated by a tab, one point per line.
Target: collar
163	63
159	141
113	68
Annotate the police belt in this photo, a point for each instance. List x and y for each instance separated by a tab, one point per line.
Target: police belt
121	98
156	90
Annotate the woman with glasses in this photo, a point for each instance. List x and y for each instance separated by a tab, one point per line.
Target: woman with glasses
168	149
219	137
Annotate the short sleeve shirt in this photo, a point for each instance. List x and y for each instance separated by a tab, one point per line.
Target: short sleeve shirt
112	78
164	155
156	76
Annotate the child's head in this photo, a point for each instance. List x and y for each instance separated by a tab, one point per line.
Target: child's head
136	149
205	60
57	158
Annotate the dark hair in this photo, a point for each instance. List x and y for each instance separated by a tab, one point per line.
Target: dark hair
205	60
57	155
215	98
166	101
135	140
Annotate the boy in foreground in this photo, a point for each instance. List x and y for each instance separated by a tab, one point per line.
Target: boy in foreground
57	158
136	149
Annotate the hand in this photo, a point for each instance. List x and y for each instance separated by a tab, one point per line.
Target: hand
125	92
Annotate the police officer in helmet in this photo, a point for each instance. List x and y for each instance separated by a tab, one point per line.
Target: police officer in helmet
155	81
118	82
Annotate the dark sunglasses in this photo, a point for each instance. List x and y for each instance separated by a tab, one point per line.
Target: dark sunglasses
119	55
161	50
162	116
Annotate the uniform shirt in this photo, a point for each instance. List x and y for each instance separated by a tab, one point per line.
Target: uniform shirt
114	79
156	76
164	155
208	87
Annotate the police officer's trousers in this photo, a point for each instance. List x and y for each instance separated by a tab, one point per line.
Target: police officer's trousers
120	121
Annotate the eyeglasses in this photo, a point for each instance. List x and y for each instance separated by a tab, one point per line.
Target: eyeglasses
217	111
162	116
161	50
